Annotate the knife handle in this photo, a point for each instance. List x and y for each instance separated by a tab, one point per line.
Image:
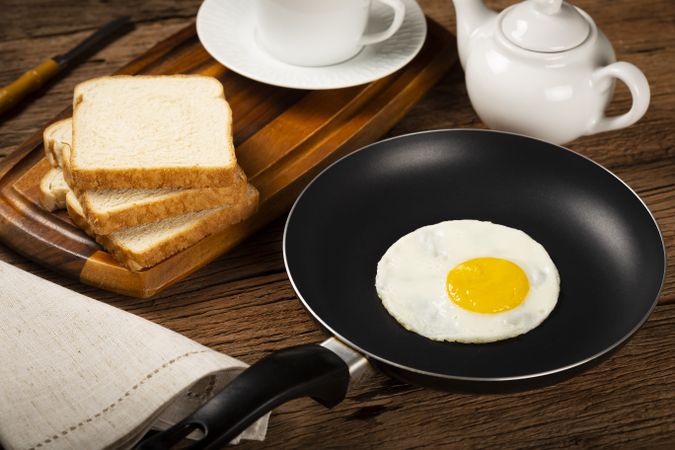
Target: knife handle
29	82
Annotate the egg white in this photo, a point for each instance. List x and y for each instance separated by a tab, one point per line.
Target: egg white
411	281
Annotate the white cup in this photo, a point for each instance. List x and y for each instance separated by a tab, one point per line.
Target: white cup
319	32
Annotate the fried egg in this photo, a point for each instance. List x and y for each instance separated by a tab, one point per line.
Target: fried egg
467	281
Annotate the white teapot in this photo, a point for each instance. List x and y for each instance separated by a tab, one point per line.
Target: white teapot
543	68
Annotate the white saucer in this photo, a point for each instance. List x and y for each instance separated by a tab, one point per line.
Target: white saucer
226	29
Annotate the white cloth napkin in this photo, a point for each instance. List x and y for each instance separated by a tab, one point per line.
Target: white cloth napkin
78	373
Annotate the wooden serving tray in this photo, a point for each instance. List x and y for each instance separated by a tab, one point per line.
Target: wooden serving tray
283	137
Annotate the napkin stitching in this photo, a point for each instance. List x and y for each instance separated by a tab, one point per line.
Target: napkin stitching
108	408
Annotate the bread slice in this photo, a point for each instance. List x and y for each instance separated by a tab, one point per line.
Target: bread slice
141	247
108	210
55	137
53	190
151	132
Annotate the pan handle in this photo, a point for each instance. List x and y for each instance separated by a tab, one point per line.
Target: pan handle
307	370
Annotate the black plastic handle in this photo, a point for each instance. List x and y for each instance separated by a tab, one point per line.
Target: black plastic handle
306	370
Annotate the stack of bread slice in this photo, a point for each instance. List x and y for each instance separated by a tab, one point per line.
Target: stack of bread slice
146	165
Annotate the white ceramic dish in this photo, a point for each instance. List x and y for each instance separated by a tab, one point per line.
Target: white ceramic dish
543	68
226	29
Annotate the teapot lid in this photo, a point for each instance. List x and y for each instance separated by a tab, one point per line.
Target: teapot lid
545	25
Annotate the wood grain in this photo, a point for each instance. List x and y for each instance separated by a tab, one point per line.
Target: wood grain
242	303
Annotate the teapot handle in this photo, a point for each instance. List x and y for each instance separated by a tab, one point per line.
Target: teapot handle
639	89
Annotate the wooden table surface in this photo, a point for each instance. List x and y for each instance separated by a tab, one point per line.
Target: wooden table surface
243	304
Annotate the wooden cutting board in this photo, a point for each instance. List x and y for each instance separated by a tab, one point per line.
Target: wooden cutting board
283	137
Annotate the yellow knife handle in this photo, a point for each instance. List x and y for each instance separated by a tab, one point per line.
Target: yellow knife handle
28	82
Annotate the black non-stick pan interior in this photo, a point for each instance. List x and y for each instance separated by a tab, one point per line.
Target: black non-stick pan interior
604	241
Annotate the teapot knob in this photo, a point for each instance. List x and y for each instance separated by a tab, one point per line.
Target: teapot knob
548	7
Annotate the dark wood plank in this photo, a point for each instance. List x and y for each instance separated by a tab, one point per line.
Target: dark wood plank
49	18
241	303
625	402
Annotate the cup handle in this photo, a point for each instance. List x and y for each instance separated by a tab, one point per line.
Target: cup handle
399	12
639	89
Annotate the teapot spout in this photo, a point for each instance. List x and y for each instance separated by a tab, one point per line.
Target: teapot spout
471	15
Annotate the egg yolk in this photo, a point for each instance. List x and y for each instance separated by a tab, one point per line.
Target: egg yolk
487	285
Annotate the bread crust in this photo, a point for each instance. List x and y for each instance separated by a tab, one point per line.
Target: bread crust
52	146
148	178
166	248
52	199
181	202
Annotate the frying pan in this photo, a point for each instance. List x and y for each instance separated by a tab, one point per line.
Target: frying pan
603	239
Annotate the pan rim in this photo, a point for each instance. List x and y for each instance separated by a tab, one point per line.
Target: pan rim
558	370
